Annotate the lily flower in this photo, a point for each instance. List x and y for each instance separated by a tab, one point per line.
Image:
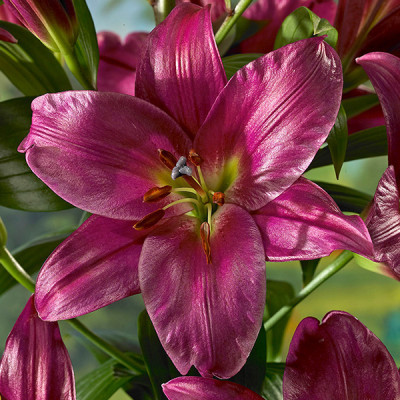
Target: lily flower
52	21
218	7
7	15
35	363
338	359
118	61
175	175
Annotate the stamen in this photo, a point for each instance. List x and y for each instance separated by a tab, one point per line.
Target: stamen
209	213
185	200
149	220
157	193
201	177
185	189
194	158
205	240
167	158
219	198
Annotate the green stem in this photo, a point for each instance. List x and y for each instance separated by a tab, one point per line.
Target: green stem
21	276
74	66
161	9
230	20
329	271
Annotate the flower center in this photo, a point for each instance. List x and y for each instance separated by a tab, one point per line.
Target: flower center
204	202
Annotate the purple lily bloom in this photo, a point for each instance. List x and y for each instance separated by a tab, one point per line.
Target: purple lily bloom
195	388
35	364
118	61
52	21
197	253
338	359
7	15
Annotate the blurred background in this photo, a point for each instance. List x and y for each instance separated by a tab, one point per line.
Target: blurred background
372	298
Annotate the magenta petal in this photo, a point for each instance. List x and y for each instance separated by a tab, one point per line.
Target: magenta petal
383	222
305	223
7	15
181	71
384	72
35	363
339	359
99	152
118	61
6	36
206	315
196	388
218	7
270	120
95	266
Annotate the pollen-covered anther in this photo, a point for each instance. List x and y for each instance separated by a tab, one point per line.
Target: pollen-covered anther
167	158
149	220
219	198
157	193
205	240
194	158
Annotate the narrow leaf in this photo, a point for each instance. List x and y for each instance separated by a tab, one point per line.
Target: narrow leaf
19	187
86	46
308	268
232	64
337	141
279	294
272	387
347	199
358	104
253	372
158	364
370	142
29	64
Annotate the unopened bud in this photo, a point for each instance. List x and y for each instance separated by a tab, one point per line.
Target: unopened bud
3	234
194	158
167	158
157	193
219	198
149	220
205	240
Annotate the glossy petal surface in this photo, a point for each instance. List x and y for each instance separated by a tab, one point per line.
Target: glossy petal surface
7	15
206	315
182	71
218	8
118	61
95	266
338	359
269	122
384	72
195	388
106	146
383	222
305	223
35	363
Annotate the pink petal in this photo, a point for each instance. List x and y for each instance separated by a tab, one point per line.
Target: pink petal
305	223
383	222
195	388
269	122
94	267
181	71
118	61
206	315
339	359
35	363
218	7
7	15
384	72
99	152
6	36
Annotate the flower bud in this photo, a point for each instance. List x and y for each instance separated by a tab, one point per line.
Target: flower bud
52	21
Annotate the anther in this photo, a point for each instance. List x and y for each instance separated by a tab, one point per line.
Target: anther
219	198
167	158
194	158
205	240
156	194
149	220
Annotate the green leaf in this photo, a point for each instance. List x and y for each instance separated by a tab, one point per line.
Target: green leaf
357	105
346	198
370	142
31	256
279	293
158	364
253	372
272	387
308	268
29	64
232	64
103	382
19	187
337	141
302	24
86	46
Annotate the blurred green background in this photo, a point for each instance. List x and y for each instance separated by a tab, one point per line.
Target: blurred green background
372	298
